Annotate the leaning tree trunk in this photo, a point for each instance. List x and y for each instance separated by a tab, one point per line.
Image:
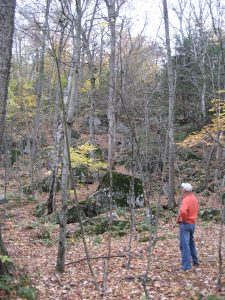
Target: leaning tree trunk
57	132
7	11
68	123
171	202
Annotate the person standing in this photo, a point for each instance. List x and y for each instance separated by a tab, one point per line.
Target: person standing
186	219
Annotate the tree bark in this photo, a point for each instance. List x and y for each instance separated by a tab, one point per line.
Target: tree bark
67	138
57	131
112	82
40	83
171	202
7	11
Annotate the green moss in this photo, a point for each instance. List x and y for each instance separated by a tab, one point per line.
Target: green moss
191	155
144	239
14	154
205	193
223	198
214	297
27	293
121	187
202	186
210	214
72	215
27	190
40	209
54	218
101	226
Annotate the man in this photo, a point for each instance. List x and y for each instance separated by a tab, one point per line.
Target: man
186	219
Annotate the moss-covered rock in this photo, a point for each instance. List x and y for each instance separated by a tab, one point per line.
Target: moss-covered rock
99	202
14	154
120	190
212	187
206	193
100	225
201	187
83	175
223	198
210	214
3	199
42	186
192	155
40	209
27	189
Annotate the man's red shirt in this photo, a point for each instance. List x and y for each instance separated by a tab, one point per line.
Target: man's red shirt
189	209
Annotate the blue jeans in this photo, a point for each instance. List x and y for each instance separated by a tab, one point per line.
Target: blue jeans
187	245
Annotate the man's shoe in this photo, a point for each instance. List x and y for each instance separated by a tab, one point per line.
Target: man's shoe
195	264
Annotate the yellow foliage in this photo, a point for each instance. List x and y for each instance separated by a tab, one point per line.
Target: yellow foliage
103	24
86	88
209	133
81	156
21	96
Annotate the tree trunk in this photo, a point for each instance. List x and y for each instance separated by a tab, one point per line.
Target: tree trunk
7	10
68	123
40	83
112	82
171	202
58	133
7	267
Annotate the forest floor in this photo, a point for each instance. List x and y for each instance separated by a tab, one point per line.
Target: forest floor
23	235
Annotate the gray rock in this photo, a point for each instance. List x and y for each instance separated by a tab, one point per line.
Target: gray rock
3	199
120	191
121	128
101	123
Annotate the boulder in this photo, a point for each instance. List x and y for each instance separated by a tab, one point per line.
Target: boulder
201	187
40	209
98	203
75	134
14	154
42	186
120	191
87	209
100	224
210	214
101	123
121	128
3	199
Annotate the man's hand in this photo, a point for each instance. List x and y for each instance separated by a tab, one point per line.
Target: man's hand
179	219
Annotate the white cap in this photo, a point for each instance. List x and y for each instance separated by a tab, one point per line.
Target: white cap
186	186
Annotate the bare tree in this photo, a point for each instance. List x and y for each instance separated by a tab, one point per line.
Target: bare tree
57	123
40	83
92	70
171	89
67	139
7	11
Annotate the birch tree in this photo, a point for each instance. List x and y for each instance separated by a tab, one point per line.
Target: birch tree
57	123
68	123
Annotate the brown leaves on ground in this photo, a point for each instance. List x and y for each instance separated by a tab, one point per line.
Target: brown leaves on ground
165	280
